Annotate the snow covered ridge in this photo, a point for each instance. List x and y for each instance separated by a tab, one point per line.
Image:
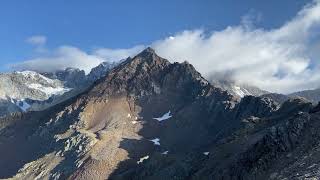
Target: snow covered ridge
41	83
35	75
29	85
240	91
27	89
49	90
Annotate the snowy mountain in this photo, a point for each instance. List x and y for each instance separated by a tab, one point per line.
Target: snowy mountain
238	90
18	88
27	84
33	91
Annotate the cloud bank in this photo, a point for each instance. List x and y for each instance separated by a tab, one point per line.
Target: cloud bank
283	60
50	60
279	60
60	59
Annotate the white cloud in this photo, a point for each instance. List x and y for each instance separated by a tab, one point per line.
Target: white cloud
47	60
69	56
37	40
59	59
278	60
117	54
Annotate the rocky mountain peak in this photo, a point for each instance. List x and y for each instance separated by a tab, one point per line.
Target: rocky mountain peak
149	73
148	56
147	52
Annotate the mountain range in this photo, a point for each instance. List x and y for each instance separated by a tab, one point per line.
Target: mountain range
147	118
35	91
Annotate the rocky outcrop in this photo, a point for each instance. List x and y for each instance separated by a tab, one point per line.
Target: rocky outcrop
255	106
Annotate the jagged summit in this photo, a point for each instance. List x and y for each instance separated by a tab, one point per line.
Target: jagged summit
148	55
148	73
147	51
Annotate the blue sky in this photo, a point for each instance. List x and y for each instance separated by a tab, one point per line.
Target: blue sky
272	44
122	24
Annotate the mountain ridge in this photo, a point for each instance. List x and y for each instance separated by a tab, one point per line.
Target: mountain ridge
110	128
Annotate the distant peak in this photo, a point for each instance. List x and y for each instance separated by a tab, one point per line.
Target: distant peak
147	52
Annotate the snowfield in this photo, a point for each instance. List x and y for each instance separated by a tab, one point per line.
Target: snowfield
49	90
142	159
156	141
164	117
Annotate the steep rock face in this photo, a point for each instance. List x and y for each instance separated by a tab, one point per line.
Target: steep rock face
72	77
150	119
100	71
261	107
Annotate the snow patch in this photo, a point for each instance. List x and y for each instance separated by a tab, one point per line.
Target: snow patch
24	106
12	101
206	153
142	159
156	141
32	74
49	90
134	122
164	117
165	153
240	91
